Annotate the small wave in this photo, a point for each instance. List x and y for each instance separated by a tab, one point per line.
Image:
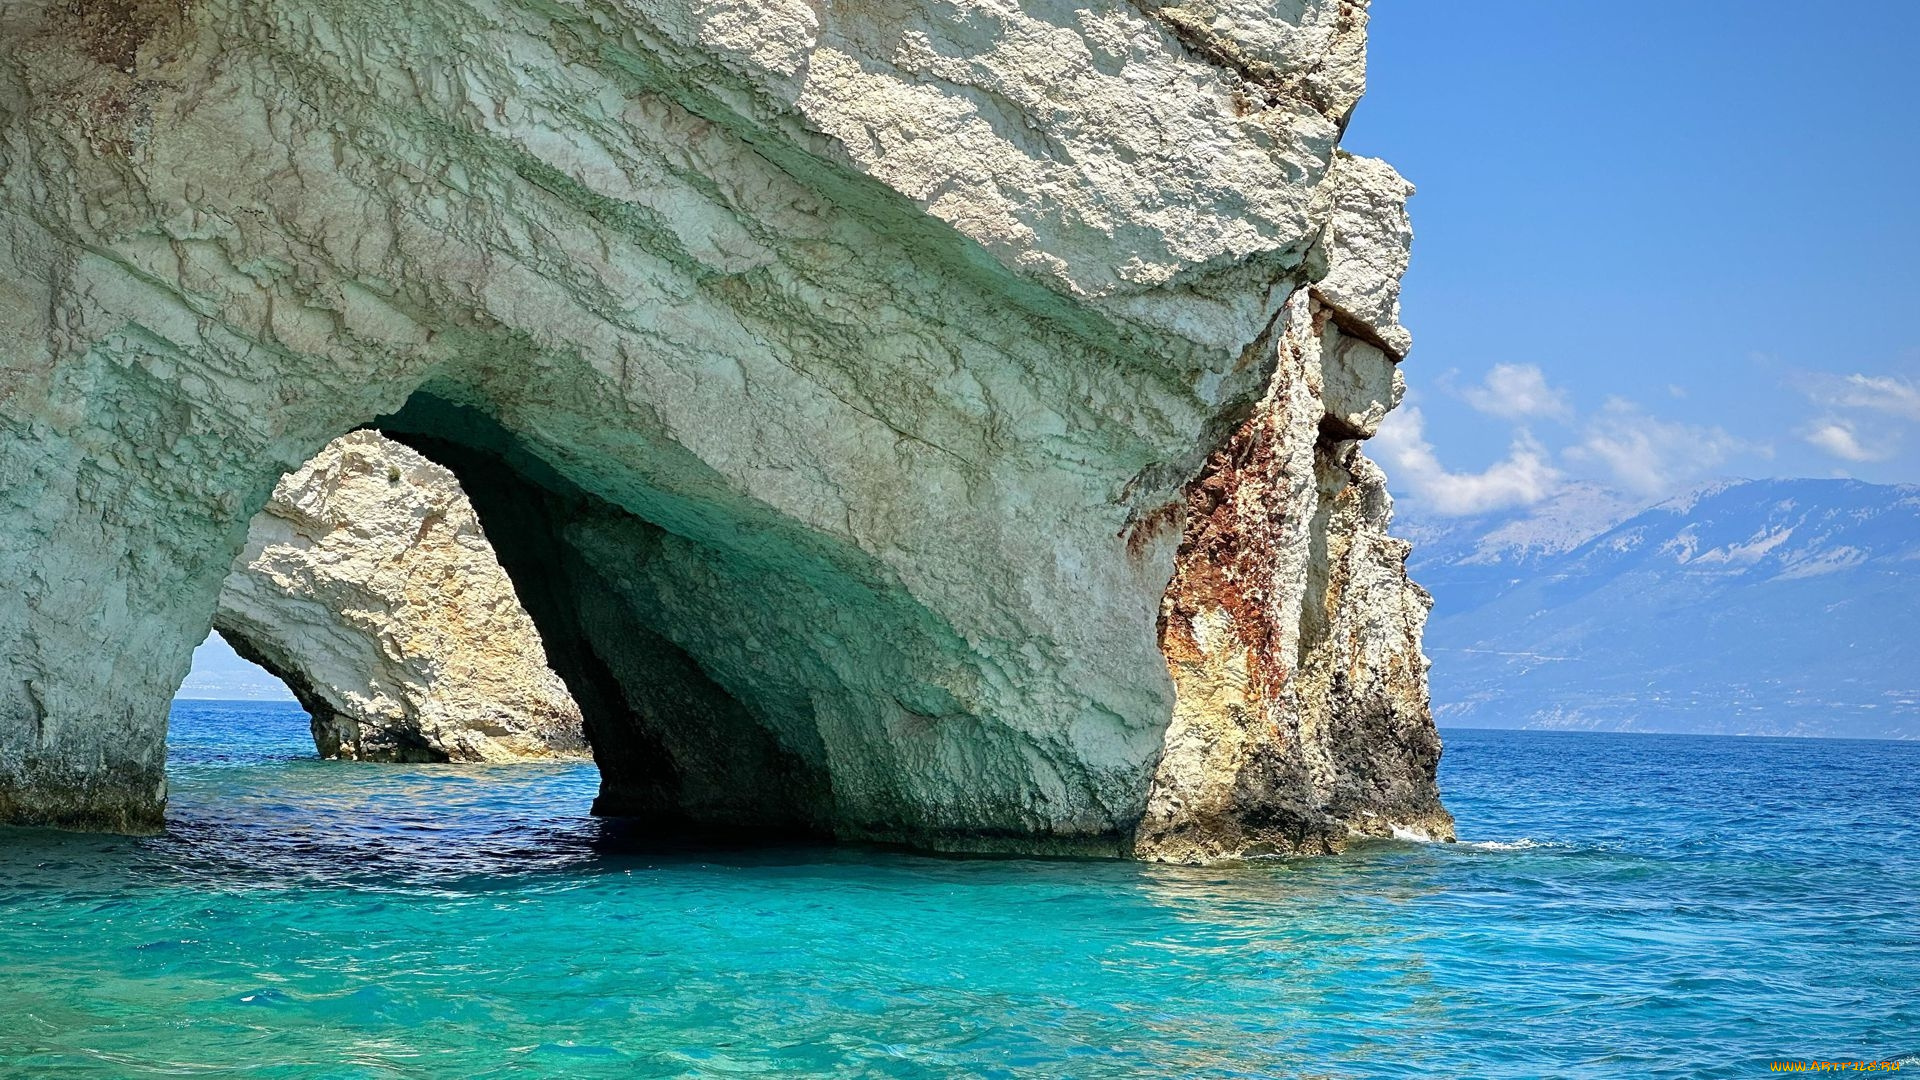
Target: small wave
1522	844
1421	836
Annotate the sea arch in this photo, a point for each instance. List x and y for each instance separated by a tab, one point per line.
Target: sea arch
846	373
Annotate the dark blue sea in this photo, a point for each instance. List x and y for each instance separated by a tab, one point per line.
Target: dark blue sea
1620	905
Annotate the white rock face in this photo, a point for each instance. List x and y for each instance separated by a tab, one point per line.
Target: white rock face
835	382
368	586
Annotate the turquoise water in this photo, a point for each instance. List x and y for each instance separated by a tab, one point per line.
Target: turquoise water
1624	905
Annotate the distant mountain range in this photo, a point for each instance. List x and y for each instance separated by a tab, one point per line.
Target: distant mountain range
220	674
1771	607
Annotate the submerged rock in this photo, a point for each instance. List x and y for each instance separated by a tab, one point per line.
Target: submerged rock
841	386
368	587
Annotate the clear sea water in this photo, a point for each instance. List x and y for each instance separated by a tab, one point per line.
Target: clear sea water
1621	905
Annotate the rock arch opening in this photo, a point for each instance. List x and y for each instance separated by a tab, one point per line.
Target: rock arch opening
735	671
367	587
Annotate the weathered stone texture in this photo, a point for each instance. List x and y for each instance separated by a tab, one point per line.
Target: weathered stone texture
1301	718
829	379
368	586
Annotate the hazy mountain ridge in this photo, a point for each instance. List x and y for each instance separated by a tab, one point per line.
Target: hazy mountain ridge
1563	522
219	674
1775	607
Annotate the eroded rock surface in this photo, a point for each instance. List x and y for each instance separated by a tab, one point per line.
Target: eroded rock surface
1291	628
368	586
840	384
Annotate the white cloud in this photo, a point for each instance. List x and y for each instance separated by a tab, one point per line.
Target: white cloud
1653	456
1522	478
1880	393
1836	437
1845	427
1516	391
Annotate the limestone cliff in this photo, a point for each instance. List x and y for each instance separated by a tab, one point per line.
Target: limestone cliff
841	385
368	586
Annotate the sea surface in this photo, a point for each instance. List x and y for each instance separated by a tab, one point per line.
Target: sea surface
1620	905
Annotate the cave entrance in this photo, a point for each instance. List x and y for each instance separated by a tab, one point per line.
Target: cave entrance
429	590
616	599
741	670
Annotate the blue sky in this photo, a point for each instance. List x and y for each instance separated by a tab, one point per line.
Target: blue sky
1654	245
